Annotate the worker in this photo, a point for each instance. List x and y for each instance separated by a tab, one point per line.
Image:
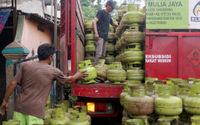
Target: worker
36	80
101	27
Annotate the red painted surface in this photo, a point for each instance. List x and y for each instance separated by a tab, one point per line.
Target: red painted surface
73	36
159	47
97	90
191	57
183	49
64	34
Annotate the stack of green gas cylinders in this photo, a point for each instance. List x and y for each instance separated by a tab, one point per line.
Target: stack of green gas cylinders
89	37
63	115
110	46
137	105
130	42
115	73
173	102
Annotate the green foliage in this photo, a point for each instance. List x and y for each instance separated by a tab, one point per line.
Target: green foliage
89	12
90	8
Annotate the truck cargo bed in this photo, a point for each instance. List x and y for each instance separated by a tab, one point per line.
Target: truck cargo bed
97	90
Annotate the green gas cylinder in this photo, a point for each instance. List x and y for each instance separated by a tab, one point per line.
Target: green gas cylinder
90	70
133	15
110	57
136	74
118	58
135	122
123	94
121	10
165	104
173	85
47	118
195	120
59	117
136	102
192	101
89	36
90	46
63	104
183	90
133	35
88	24
110	47
133	47
163	120
130	56
136	65
101	69
59	121
90	56
133	82
79	118
150	79
111	36
115	73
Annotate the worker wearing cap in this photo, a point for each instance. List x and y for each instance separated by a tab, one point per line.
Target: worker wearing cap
101	28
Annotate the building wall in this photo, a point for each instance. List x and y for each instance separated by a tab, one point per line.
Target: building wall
28	6
32	37
31	6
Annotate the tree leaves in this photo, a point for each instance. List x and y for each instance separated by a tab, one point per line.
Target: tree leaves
90	8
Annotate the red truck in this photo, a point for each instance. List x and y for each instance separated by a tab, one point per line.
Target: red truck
168	54
102	99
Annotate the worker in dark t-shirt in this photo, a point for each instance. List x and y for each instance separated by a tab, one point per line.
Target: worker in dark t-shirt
101	27
36	80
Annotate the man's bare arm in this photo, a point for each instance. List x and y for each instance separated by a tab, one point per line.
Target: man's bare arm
94	25
114	24
78	75
9	91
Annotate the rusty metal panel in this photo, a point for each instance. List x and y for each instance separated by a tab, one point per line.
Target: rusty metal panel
80	18
80	51
63	54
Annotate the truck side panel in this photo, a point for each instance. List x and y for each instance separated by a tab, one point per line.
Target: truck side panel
172	54
191	57
157	62
71	36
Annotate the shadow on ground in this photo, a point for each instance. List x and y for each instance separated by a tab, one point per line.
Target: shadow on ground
106	121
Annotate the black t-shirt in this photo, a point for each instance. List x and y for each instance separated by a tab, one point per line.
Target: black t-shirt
104	19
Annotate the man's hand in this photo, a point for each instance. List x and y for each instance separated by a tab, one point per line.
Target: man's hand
96	36
116	25
78	75
81	75
4	107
